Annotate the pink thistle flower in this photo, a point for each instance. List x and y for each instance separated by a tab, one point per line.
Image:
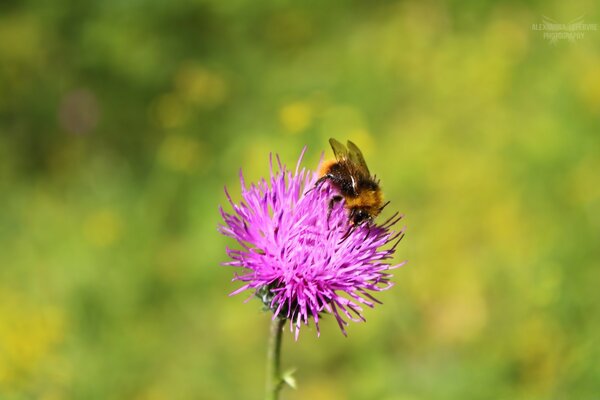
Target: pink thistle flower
301	261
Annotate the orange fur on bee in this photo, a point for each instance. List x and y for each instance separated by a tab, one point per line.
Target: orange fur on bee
370	200
325	166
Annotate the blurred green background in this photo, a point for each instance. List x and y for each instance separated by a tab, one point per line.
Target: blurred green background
120	122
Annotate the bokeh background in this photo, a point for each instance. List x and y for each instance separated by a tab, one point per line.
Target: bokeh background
121	121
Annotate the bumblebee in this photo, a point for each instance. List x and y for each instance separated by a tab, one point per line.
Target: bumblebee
349	174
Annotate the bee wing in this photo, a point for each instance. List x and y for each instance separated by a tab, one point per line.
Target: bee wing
340	151
355	155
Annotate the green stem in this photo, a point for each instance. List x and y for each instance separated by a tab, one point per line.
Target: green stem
274	378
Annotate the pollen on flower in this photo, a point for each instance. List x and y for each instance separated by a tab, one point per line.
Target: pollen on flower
299	257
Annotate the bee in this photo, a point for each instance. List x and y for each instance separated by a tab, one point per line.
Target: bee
349	174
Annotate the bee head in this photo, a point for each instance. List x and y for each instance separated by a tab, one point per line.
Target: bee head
359	215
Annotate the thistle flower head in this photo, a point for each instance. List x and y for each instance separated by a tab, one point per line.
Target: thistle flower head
302	258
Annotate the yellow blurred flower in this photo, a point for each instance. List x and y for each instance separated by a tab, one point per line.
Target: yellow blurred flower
589	87
28	337
296	117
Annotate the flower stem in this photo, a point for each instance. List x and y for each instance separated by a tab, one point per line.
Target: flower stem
274	378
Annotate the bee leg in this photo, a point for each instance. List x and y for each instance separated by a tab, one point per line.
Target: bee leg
318	183
347	234
332	203
368	232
